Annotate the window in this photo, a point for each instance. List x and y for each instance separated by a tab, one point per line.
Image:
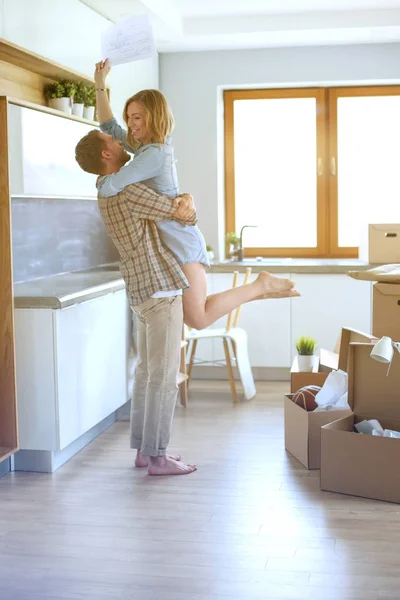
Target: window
310	167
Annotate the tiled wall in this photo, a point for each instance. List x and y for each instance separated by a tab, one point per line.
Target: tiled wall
57	236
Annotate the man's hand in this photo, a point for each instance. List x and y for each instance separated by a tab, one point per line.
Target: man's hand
100	74
186	210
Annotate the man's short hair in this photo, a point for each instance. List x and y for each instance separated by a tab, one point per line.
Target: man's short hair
88	152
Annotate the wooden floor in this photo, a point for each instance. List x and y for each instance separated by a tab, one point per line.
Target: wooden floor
251	523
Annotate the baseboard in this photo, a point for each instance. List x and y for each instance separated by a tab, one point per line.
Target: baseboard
5	467
259	373
45	461
124	412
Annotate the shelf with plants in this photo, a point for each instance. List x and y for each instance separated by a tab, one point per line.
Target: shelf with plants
31	80
51	111
72	98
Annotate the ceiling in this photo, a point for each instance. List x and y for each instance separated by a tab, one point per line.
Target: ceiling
198	25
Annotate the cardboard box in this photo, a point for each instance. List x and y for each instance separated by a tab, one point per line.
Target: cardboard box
302	428
303	431
327	361
380	244
386	310
323	365
365	465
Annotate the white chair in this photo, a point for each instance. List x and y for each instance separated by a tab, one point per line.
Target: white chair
233	337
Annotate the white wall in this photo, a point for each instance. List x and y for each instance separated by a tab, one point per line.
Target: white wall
68	32
191	83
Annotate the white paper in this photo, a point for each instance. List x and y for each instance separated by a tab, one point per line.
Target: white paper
333	390
341	404
373	427
369	427
128	40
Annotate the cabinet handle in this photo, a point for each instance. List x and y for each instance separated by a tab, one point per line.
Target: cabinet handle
320	167
333	165
391	235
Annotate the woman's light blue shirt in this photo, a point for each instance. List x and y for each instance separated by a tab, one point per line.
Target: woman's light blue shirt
154	165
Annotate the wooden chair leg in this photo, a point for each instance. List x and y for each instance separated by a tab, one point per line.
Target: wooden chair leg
183	393
191	360
234	348
230	370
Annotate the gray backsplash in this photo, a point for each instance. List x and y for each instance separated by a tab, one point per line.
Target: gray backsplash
52	236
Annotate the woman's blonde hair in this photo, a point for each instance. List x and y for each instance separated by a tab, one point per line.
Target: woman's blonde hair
158	116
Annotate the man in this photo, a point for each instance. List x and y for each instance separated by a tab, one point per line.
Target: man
154	283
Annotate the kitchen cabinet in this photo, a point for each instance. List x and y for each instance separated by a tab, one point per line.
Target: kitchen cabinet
71	369
267	323
23	87
328	303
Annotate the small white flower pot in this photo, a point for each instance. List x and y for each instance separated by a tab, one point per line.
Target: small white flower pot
77	109
88	113
63	104
210	255
305	363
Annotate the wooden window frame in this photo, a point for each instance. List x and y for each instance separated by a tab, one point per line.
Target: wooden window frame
326	168
336	251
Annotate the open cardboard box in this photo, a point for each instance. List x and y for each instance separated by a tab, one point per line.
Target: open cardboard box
323	365
302	428
357	464
386	310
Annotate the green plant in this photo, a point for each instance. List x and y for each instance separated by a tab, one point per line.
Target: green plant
69	88
232	238
305	345
60	89
54	90
90	96
80	93
209	248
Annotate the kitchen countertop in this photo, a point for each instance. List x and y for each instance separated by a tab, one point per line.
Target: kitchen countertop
292	265
60	291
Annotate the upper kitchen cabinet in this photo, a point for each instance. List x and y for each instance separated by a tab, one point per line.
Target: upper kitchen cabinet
42	155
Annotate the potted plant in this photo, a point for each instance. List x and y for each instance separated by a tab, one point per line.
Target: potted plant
210	253
90	103
305	347
79	99
60	95
232	244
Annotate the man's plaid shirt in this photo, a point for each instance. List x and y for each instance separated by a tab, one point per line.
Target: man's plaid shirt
146	265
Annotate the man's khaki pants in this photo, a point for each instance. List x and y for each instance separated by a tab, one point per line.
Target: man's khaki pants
155	388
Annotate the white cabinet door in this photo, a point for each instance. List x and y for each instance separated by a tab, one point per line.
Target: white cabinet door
328	303
36	383
91	363
267	323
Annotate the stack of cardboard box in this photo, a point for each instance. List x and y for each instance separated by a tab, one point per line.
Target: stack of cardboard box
302	428
353	463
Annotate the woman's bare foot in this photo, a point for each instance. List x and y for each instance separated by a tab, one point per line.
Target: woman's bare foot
282	294
165	465
143	461
269	284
